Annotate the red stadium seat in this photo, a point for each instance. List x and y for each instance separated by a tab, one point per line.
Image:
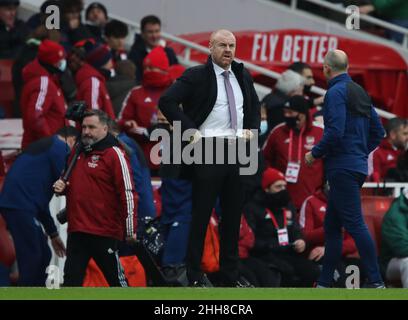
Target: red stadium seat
374	209
6	84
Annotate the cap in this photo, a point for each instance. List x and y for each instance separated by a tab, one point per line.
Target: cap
270	176
50	52
298	103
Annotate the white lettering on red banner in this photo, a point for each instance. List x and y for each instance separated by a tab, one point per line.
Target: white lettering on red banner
309	49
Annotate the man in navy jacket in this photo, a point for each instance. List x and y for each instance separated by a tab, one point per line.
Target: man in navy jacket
24	204
352	131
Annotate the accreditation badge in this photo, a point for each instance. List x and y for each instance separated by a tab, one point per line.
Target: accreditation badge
292	172
283	237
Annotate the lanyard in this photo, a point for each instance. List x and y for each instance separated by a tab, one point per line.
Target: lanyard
275	223
299	145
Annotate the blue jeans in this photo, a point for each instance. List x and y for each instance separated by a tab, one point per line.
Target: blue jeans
344	210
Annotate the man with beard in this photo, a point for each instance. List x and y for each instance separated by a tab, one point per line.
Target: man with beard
101	204
278	240
288	143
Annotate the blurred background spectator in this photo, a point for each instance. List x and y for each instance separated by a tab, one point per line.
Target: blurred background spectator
148	39
13	32
96	16
115	36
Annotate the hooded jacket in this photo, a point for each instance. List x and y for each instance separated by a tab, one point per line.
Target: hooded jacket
276	153
91	86
101	198
42	103
394	232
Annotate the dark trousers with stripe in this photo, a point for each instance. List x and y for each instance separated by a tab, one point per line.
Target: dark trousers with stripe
344	210
81	247
212	181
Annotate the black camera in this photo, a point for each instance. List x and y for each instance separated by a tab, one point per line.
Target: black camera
76	111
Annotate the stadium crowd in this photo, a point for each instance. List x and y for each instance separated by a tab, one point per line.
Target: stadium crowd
89	61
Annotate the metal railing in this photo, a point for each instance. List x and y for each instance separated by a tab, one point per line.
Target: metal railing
186	60
363	17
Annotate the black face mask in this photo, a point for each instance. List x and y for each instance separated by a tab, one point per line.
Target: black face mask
307	90
106	73
291	122
277	200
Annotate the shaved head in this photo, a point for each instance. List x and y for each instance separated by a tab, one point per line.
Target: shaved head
222	48
337	60
216	35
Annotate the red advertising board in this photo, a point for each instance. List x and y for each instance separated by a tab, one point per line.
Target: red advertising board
380	69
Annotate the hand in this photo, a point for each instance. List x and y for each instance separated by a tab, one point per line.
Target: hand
131	124
316	254
132	239
309	159
318	101
196	137
366	9
59	186
247	134
58	246
300	246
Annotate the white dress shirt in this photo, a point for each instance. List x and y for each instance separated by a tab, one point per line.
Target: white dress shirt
218	122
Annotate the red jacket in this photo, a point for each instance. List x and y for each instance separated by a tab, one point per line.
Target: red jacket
246	239
42	104
311	221
101	198
91	86
384	158
276	153
141	105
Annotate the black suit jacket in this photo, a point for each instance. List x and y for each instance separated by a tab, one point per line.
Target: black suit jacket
196	91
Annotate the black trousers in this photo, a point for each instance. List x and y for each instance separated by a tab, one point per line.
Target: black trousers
212	182
81	247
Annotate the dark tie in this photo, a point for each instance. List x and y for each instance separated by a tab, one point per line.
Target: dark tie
231	100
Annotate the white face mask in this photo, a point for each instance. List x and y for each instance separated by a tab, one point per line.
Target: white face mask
263	127
62	65
112	72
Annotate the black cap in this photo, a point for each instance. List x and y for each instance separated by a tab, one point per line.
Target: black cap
4	3
94	5
298	103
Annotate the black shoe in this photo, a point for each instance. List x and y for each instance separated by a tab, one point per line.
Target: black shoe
374	285
240	283
201	283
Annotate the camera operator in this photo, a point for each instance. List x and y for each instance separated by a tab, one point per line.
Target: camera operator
101	201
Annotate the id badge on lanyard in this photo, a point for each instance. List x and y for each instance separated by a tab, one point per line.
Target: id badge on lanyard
293	168
283	236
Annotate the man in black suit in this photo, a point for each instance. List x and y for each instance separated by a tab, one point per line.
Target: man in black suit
220	104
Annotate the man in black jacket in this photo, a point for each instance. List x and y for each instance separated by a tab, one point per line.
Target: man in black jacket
219	102
149	38
12	30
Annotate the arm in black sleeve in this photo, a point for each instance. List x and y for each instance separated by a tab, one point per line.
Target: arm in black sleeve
170	101
47	221
255	108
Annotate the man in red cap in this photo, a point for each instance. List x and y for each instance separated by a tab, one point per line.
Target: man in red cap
139	111
287	145
91	78
278	240
42	101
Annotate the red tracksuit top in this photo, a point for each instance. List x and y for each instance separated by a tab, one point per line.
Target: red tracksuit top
91	86
384	158
42	104
141	105
311	221
276	153
101	199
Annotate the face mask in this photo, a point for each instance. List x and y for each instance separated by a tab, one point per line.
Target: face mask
291	122
156	79
112	73
264	127
62	66
307	90
277	200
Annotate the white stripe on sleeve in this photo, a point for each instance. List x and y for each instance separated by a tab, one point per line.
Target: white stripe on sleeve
43	93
